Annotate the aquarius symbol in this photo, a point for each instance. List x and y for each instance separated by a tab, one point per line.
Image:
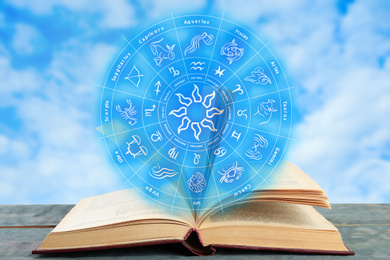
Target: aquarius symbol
148	111
241	113
258	77
265	109
206	38
157	85
221	151
141	149
253	152
134	76
128	113
196	158
173	153
238	89
161	173
197	65
156	137
232	174
197	182
232	51
219	72
173	71
161	53
236	135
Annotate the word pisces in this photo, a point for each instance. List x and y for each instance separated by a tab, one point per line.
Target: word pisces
128	113
265	110
206	38
232	51
160	173
161	53
258	77
253	153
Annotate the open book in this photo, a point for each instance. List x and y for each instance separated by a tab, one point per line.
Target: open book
281	218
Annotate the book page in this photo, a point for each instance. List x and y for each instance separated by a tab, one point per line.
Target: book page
269	214
288	176
117	207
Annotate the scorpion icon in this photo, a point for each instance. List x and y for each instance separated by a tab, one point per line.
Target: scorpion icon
128	113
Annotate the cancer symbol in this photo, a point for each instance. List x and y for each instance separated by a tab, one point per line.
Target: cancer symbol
232	174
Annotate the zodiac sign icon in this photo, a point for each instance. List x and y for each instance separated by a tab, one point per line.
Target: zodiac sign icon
186	121
197	182
221	151
265	109
236	135
148	111
157	85
161	53
173	71
197	65
134	76
242	113
160	173
258	77
206	38
253	152
196	158
232	51
141	149
156	137
238	89
173	153
128	113
232	174
219	72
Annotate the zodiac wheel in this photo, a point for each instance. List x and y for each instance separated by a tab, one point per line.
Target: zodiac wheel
196	109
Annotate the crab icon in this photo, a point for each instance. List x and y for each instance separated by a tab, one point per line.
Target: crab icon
232	174
128	113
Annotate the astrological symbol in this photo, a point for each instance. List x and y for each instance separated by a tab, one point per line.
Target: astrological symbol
148	111
232	174
161	53
195	42
258	77
265	110
253	152
136	142
242	113
197	182
173	153
159	173
197	65
173	71
236	135
238	89
134	76
196	158
156	137
221	151
219	72
232	51
128	113
157	85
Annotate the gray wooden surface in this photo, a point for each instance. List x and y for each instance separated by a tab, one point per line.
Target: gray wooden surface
365	228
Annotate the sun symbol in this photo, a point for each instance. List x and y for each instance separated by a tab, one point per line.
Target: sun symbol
196	126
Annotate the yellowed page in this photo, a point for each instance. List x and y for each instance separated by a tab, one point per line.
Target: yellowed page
269	214
288	176
117	207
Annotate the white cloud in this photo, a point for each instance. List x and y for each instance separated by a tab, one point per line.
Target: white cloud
26	39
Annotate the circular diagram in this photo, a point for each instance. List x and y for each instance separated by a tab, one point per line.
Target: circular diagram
195	112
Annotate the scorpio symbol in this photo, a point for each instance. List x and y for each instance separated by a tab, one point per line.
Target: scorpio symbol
161	53
128	113
231	174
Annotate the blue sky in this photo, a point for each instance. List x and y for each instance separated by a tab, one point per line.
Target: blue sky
52	53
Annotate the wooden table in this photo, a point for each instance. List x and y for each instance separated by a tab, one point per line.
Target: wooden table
365	228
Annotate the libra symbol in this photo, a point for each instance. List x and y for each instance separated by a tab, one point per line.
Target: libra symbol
136	142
